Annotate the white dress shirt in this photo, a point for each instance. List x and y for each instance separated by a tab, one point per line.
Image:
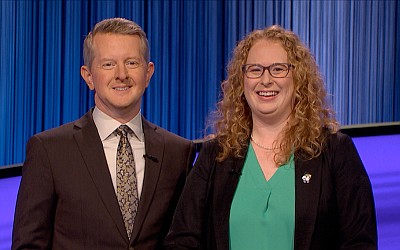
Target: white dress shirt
106	127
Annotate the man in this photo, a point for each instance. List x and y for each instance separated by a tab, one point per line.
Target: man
92	183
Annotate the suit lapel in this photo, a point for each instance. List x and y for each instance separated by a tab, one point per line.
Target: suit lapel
226	180
154	145
91	148
306	201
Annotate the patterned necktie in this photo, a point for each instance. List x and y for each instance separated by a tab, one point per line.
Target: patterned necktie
127	193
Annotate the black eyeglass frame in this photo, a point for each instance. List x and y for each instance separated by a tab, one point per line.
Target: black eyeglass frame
246	66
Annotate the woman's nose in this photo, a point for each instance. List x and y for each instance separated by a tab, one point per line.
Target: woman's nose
266	77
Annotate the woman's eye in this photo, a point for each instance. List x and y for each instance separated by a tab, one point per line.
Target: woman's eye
278	69
254	69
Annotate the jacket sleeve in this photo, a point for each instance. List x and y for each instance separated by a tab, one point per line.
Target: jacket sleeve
357	218
186	231
35	207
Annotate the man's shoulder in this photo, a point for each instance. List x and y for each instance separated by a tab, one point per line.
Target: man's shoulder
166	134
56	131
64	130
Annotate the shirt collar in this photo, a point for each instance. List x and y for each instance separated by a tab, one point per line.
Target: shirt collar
106	125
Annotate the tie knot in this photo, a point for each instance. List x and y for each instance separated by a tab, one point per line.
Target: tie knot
123	130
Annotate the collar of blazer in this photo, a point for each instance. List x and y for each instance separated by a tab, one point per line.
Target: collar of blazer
91	148
306	197
154	144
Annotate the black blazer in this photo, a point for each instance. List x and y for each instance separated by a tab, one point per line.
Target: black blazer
66	198
335	210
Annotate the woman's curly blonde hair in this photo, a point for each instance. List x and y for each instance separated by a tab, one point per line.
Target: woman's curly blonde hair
310	120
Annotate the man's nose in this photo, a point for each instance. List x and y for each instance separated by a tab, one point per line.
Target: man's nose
121	72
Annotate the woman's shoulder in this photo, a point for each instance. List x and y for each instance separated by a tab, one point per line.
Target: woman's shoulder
209	145
340	146
208	141
338	138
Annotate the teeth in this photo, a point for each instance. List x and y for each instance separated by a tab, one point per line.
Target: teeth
122	89
268	93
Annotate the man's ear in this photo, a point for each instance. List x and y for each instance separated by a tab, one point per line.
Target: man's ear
149	73
87	76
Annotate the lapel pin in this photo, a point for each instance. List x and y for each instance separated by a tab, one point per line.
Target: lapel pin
306	178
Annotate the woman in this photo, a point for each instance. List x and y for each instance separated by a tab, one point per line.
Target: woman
278	174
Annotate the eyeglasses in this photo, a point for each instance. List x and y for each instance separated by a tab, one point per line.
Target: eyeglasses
276	70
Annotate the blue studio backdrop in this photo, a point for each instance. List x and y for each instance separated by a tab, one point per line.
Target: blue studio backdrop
356	44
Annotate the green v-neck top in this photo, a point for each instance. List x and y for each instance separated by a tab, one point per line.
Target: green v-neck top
262	212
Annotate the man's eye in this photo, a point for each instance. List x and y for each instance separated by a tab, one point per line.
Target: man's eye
132	64
108	65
